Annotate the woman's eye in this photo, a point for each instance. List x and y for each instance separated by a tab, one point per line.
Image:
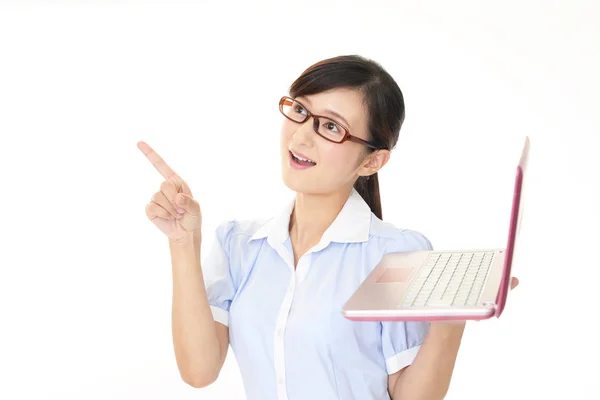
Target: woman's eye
299	109
332	126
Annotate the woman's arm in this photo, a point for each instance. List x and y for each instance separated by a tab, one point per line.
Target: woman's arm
428	377
200	343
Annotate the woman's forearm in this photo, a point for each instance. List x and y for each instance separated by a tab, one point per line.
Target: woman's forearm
428	377
197	348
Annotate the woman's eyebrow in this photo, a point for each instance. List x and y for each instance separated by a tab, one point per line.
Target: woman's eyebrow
339	116
336	114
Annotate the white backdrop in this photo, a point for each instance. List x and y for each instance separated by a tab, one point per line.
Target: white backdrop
85	278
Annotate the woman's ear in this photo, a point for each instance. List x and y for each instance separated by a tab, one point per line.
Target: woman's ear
374	162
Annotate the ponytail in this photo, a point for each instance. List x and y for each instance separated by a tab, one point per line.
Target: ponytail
368	188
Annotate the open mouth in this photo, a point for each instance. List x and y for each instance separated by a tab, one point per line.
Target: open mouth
301	162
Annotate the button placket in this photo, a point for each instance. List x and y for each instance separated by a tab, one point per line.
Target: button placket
303	266
279	339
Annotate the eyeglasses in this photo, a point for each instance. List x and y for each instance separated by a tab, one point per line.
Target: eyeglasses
325	127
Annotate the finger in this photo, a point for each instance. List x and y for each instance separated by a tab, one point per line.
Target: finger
160	199
156	160
188	204
154	211
169	189
513	283
184	188
191	222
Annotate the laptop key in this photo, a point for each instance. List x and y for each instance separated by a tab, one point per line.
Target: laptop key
443	302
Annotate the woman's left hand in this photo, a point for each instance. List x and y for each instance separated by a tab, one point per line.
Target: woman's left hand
513	284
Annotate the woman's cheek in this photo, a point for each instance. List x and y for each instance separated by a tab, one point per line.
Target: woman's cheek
338	155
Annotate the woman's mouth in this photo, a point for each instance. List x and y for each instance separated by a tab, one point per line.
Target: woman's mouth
299	162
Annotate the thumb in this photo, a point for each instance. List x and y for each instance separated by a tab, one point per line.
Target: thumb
188	204
191	219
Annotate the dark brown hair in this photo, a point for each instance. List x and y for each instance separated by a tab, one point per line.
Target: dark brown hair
382	97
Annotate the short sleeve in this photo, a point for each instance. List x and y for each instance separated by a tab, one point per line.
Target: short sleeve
218	277
401	340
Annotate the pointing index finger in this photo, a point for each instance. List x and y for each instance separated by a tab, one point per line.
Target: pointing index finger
157	161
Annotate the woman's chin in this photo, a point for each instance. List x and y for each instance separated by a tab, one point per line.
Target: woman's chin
298	184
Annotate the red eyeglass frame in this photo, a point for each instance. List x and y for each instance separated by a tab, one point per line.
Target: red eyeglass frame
286	100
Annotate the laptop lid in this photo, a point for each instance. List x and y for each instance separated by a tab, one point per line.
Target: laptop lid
513	231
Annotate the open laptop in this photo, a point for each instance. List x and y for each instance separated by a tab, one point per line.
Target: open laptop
441	285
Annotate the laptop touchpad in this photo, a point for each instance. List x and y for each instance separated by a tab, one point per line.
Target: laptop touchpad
393	275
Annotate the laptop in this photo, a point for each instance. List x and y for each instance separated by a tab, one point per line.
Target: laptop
442	285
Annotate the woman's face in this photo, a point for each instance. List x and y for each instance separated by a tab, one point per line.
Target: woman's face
336	166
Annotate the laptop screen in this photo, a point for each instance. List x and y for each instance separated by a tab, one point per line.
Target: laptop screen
515	226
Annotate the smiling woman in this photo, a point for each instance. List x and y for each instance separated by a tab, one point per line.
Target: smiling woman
347	93
273	290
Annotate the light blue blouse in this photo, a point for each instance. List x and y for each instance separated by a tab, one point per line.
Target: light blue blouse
285	327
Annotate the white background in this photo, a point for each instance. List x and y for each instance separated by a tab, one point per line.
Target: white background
85	278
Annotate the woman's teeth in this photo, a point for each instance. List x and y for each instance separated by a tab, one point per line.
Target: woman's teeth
303	159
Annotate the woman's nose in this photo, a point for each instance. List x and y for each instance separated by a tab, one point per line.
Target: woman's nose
305	133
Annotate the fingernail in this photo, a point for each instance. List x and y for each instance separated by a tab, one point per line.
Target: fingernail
179	215
180	210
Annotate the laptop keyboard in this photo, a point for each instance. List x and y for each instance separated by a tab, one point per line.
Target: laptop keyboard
449	279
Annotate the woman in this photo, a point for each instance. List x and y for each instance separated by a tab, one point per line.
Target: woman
274	289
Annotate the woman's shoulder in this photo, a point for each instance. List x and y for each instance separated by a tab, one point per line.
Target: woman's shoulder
240	229
399	238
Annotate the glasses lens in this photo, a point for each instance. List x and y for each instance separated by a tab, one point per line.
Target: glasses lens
293	110
331	130
327	128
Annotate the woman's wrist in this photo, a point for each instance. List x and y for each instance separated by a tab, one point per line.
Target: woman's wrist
191	238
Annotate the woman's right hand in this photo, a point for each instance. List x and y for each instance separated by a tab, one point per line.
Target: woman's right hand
172	209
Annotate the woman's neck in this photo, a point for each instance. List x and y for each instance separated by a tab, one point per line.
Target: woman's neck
312	215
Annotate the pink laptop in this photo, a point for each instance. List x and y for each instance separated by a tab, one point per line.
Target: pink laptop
442	285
